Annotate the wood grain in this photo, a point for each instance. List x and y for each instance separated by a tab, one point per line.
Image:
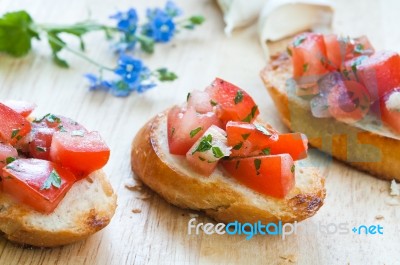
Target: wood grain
158	234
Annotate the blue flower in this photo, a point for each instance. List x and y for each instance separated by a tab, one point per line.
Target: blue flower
172	9
95	83
160	27
129	69
127	21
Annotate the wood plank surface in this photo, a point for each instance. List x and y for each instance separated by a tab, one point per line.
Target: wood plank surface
158	234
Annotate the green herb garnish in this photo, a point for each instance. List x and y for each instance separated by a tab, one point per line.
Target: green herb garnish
245	136
266	151
195	131
289	51
213	103
257	164
359	48
238	146
10	159
40	149
293	168
14	133
305	67
252	114
205	144
217	152
52	180
299	40
187	97
238	97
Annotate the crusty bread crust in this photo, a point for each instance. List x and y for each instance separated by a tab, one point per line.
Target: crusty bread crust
87	208
386	166
219	196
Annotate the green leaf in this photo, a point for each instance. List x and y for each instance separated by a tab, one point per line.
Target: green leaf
146	43
197	20
52	180
238	146
60	62
195	131
257	164
217	152
266	151
56	45
299	40
16	33
165	75
204	145
238	97
10	159
14	133
245	136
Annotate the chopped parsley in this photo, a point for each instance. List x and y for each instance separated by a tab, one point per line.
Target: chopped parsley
14	133
237	164
40	149
202	159
238	146
52	180
49	117
213	103
205	144
252	114
79	133
238	97
245	136
266	151
262	129
305	67
289	51
299	40
217	152
188	96
359	48
293	168
195	131
257	164
10	159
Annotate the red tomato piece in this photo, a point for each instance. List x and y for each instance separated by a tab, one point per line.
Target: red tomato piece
81	152
13	125
7	152
270	175
390	110
231	102
185	126
38	183
247	139
348	101
58	123
379	73
308	53
22	107
208	150
40	143
294	144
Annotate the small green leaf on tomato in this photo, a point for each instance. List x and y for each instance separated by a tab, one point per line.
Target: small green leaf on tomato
289	51
10	159
238	146
195	131
14	133
187	97
213	103
245	136
266	151
52	180
257	164
217	152
293	168
238	97
299	40
305	67
205	144
40	149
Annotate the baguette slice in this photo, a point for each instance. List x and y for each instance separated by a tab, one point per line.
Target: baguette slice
87	207
219	196
371	152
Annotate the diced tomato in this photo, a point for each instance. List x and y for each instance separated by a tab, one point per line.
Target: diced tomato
379	73
81	152
185	126
7	154
294	144
200	101
308	53
390	110
247	139
39	146
232	103
348	101
13	125
22	107
270	175
208	150
340	49
59	123
38	183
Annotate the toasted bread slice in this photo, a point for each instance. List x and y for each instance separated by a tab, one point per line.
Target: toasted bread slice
87	207
369	150
219	196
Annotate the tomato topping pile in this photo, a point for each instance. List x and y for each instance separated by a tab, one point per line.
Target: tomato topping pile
41	159
346	78
217	127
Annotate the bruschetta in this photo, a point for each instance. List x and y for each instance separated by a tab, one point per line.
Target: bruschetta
344	96
53	191
212	154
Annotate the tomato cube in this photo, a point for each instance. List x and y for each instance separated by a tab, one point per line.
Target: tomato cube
22	107
81	152
38	183
270	175
13	125
390	110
